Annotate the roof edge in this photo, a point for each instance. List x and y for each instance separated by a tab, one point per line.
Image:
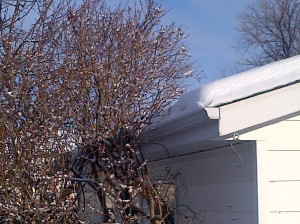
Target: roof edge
181	123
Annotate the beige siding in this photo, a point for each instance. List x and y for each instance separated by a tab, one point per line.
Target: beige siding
278	158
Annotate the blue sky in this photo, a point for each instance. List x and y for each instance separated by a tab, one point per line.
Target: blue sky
210	25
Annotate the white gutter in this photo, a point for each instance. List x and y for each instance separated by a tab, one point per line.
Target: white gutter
179	124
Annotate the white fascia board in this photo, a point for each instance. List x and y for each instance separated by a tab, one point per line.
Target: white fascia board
259	110
213	113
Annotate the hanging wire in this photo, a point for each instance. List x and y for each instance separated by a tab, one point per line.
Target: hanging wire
235	138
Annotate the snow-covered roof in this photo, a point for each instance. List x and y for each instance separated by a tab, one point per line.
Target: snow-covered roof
239	86
212	111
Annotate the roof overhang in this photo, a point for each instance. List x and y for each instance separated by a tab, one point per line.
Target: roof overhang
221	122
259	111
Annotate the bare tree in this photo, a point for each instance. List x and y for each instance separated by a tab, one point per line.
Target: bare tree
77	89
33	187
128	68
269	31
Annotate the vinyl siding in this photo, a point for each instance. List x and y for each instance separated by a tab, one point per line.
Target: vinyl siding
278	158
216	184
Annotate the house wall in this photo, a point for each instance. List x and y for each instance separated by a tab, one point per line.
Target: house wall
278	162
217	185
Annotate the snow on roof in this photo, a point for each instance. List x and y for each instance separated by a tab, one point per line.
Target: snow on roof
237	87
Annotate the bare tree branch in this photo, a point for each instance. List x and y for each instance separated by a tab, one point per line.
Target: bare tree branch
269	31
79	83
